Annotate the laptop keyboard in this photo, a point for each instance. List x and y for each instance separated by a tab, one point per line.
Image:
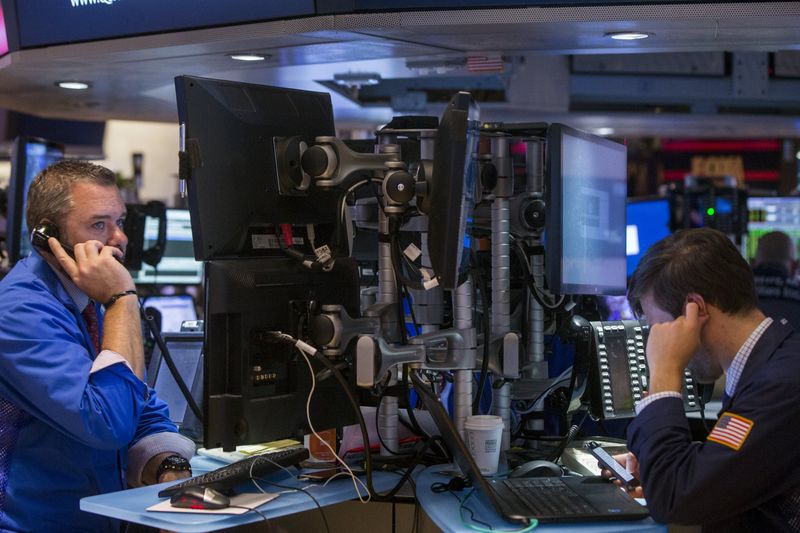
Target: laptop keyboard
548	496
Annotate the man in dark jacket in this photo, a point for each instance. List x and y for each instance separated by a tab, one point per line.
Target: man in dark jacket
697	292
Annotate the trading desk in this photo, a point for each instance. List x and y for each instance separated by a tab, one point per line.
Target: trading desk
444	509
130	505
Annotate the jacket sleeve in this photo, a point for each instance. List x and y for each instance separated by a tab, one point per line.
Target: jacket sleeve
683	480
45	370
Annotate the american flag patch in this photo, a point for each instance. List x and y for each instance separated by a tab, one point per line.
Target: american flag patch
731	430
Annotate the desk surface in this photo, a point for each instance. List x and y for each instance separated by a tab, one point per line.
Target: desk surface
443	510
131	505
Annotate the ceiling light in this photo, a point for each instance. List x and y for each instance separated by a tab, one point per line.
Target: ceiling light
74	85
248	57
628	35
604	131
357	79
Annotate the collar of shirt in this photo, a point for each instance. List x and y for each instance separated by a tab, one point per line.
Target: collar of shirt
78	296
737	366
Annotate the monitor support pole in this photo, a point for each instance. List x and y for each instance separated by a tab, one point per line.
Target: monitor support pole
501	282
535	366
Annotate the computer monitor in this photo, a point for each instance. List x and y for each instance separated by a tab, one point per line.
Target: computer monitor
28	158
766	214
178	265
451	192
186	350
173	308
235	195
585	218
256	388
647	223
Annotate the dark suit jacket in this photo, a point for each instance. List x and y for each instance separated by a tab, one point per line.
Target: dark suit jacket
753	488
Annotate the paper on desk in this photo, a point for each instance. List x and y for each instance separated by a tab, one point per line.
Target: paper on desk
249	500
243	452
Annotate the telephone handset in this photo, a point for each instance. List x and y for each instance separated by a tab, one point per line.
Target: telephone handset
619	369
42	232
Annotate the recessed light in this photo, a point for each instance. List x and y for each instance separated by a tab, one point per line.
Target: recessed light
604	131
74	85
248	57
628	35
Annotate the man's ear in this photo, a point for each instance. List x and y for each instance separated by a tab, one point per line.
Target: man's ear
702	306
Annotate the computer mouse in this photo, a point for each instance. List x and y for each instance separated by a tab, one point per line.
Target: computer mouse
199	498
537	468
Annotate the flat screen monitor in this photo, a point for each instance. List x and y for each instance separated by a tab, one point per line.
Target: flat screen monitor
648	223
186	350
256	388
28	158
173	308
766	214
585	221
452	197
235	194
178	265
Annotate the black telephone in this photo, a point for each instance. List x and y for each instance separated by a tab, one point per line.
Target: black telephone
42	232
619	374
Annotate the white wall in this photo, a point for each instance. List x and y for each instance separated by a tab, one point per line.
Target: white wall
159	144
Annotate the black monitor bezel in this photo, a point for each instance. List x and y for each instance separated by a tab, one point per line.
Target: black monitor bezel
555	213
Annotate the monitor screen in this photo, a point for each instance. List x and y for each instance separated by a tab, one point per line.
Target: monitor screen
237	199
174	309
585	224
771	214
178	265
28	158
648	223
615	307
186	352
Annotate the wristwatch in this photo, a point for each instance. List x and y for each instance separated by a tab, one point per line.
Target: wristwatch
173	462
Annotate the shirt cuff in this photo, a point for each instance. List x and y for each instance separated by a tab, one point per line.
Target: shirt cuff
107	358
152	445
650	398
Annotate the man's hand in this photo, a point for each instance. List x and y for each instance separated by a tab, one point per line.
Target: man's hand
631	464
95	269
670	347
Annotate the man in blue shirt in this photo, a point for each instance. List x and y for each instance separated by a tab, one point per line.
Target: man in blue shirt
697	293
76	418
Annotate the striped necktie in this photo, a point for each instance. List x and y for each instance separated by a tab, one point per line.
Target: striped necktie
89	314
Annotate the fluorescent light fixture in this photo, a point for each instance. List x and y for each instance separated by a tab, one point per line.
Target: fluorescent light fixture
604	131
248	57
628	35
74	85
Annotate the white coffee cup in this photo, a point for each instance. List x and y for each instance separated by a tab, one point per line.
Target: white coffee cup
483	435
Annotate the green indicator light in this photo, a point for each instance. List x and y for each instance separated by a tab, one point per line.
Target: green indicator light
710	211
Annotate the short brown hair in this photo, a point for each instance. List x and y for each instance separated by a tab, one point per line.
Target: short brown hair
700	260
50	193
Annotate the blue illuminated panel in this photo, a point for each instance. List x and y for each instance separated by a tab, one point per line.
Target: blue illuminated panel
49	22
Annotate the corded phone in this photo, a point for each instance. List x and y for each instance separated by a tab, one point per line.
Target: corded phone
42	232
619	374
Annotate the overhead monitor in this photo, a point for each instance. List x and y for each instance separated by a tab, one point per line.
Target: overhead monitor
178	265
28	158
256	387
647	223
452	186
585	220
231	133
766	214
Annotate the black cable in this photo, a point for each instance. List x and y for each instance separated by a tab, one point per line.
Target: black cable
410	408
378	428
150	323
259	513
304	491
480	281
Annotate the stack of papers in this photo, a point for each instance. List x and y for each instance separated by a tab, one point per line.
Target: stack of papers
243	452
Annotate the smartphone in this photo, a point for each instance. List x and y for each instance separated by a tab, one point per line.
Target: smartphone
606	461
